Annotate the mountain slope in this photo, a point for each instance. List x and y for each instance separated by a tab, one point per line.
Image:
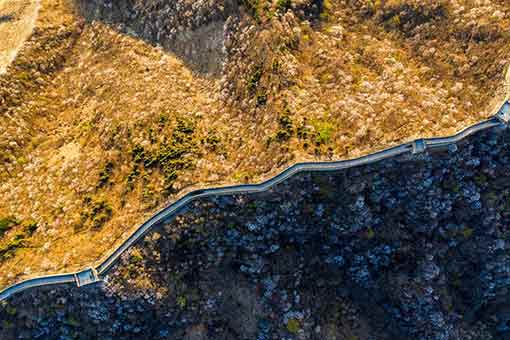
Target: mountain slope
108	112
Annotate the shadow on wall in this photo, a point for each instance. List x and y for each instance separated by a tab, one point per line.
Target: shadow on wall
192	30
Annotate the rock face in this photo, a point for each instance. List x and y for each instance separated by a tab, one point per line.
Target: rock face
411	248
194	30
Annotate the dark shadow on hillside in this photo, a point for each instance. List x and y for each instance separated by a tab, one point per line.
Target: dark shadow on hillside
195	33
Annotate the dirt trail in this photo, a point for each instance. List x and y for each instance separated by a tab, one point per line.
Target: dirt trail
17	18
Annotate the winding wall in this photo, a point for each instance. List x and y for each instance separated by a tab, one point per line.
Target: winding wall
500	119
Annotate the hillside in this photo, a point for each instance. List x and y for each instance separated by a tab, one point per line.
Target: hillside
357	254
111	110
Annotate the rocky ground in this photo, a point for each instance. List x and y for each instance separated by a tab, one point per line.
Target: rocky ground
411	248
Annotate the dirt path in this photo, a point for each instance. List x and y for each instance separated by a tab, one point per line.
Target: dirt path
17	18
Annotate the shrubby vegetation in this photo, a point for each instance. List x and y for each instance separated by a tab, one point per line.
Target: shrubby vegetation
96	212
171	156
100	127
14	234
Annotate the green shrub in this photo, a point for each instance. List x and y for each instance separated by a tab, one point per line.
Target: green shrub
105	173
11	310
19	240
138	153
286	128
261	99
293	326
253	7
283	5
185	126
72	321
30	227
136	257
97	212
254	79
170	156
101	213
303	131
212	141
135	172
323	132
326	10
6	223
182	301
